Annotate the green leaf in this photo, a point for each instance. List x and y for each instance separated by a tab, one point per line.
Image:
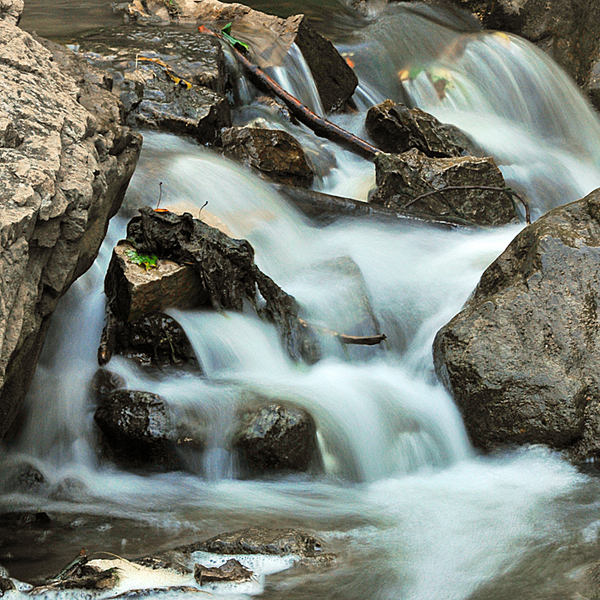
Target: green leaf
148	261
241	46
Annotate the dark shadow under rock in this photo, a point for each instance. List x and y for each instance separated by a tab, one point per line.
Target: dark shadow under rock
276	438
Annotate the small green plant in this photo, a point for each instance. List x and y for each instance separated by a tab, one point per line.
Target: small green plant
241	46
148	261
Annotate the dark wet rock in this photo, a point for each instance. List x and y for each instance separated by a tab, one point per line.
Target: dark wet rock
86	577
103	383
157	341
231	571
23	477
67	160
521	358
276	438
227	270
138	431
260	540
569	32
402	178
270	37
167	80
594	86
158	563
6	585
396	128
272	152
134	290
20	520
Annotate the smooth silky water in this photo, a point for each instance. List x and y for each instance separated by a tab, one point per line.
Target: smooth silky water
412	509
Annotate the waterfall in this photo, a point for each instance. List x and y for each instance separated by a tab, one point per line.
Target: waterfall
416	513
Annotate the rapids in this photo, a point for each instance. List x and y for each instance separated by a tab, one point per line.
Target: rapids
412	509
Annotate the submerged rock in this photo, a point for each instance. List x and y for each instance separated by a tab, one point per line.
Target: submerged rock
230	571
396	128
103	383
270	39
67	160
521	359
273	152
260	540
276	438
406	181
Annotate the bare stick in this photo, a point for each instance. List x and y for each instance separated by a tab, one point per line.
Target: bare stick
322	127
358	340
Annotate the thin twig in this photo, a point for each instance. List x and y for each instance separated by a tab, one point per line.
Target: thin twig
505	190
359	340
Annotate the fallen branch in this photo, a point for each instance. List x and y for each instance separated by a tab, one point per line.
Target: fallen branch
505	190
322	127
358	340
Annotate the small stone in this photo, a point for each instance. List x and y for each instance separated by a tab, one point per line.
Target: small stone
232	571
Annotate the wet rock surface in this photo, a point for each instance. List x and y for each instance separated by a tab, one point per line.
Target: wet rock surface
67	160
396	128
276	438
103	383
230	571
260	540
521	358
166	80
157	341
138	431
405	182
227	270
270	38
272	152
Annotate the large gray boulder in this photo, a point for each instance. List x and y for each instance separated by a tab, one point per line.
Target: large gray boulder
521	359
66	160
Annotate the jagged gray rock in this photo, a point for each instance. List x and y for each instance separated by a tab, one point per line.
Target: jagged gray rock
66	162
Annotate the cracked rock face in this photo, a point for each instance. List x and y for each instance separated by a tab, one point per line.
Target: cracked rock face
66	162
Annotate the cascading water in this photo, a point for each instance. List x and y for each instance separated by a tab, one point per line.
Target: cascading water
415	513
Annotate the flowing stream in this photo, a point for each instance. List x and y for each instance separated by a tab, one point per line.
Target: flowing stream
411	508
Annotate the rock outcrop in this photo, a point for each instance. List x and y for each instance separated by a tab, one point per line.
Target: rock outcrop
66	161
444	188
521	359
395	128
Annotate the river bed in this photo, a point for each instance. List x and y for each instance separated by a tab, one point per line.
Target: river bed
413	511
